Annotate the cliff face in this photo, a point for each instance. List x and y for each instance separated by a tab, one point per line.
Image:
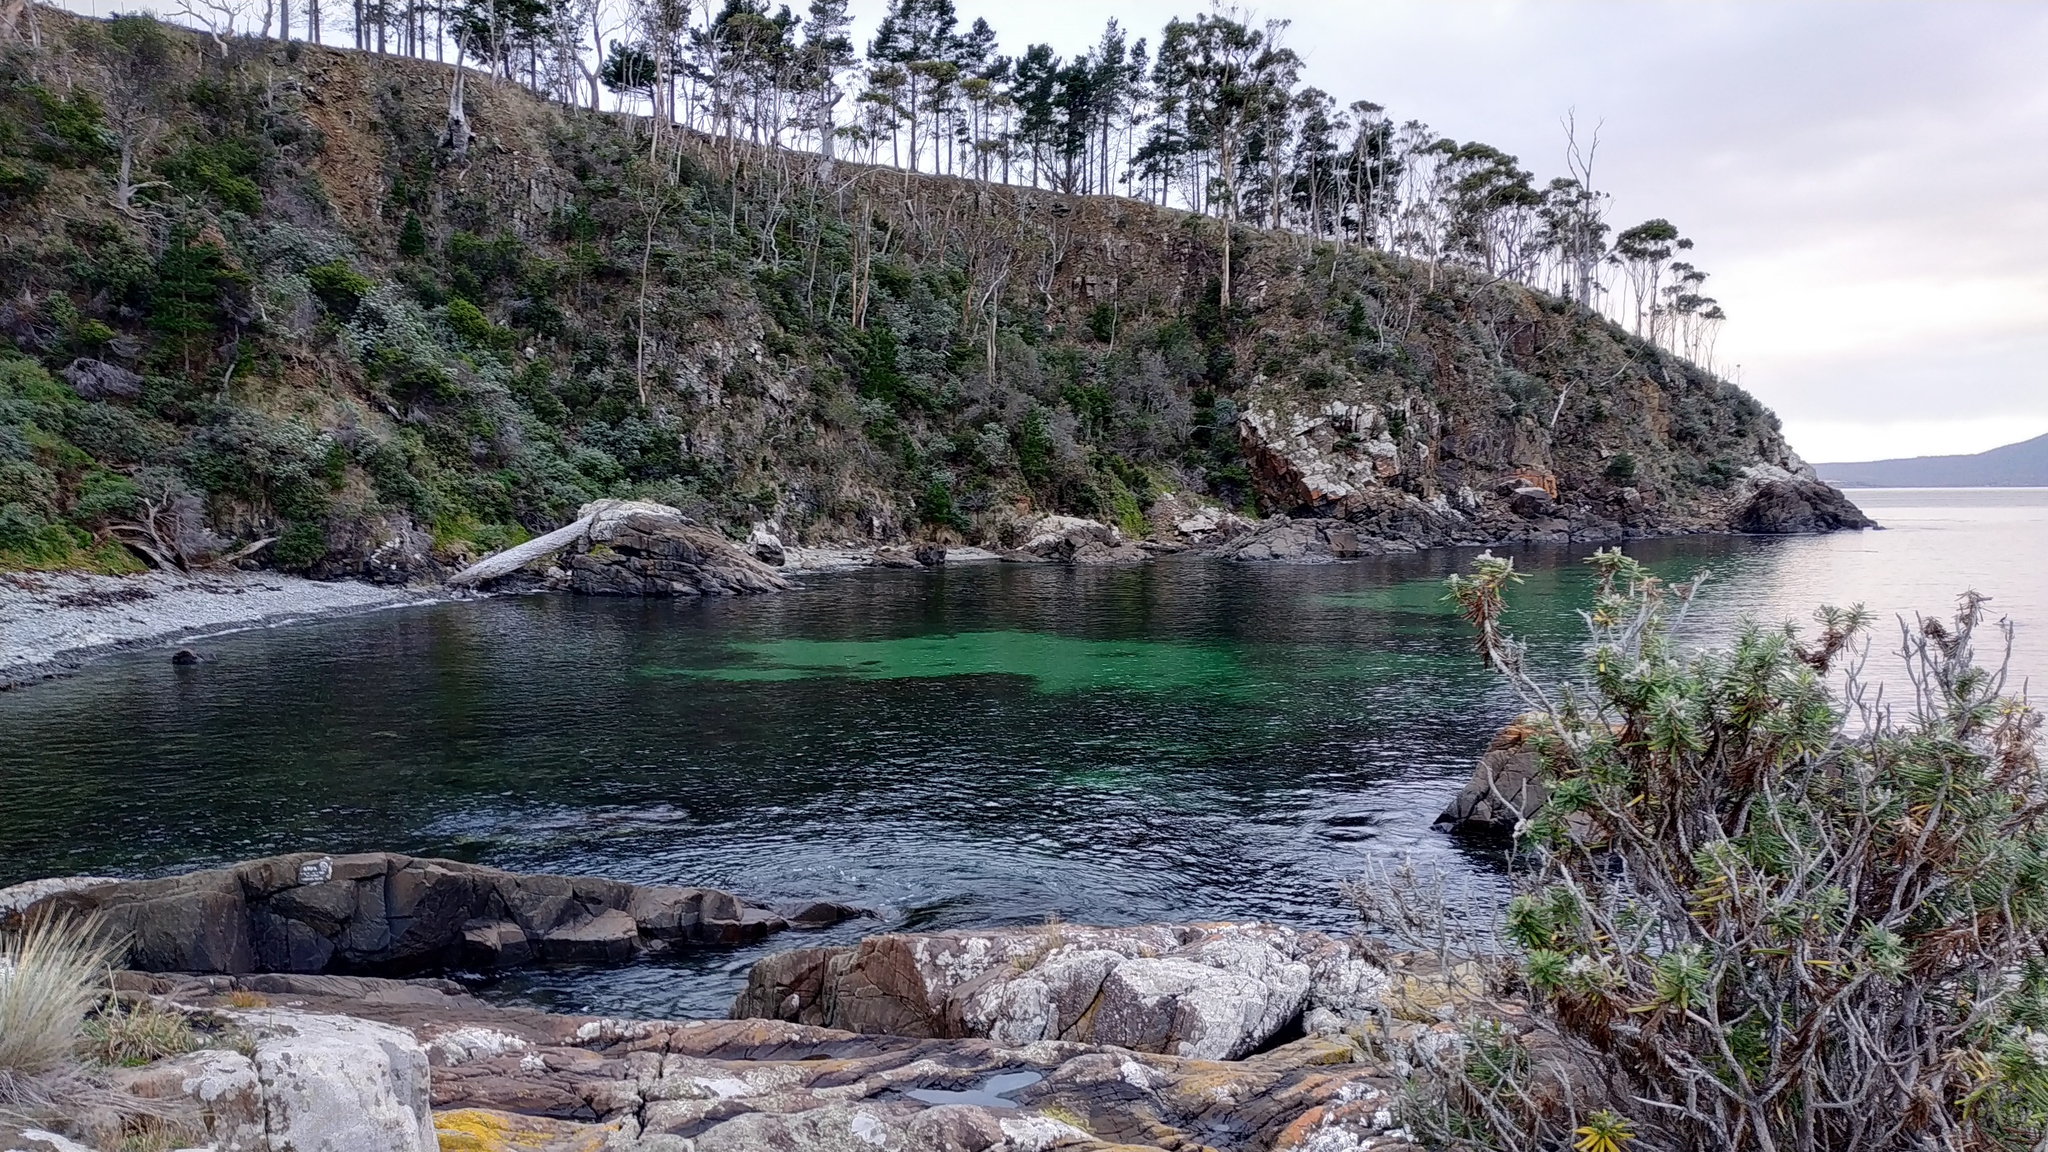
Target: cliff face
271	294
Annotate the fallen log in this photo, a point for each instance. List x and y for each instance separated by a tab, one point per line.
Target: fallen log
520	555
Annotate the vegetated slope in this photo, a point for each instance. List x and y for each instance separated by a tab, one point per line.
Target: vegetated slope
2022	465
270	293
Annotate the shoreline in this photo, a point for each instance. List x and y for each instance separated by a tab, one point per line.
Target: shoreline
54	623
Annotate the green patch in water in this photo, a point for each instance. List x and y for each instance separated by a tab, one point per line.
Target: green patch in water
1056	664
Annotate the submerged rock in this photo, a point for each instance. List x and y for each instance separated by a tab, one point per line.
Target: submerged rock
383	912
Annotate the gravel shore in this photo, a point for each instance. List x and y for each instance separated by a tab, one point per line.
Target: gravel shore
52	622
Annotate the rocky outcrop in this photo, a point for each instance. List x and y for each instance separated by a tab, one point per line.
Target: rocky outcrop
575	1084
1787	505
1313	458
639	549
1206	991
1505	787
1073	540
300	1082
383	912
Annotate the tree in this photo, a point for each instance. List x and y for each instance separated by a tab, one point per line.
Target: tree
1642	252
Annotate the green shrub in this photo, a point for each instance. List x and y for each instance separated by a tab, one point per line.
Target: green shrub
1621	467
1764	912
470	323
412	237
225	170
340	287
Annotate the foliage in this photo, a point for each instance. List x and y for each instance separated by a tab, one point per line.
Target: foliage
50	977
134	1034
1767	913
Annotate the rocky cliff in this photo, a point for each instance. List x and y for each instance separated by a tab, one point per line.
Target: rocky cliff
267	293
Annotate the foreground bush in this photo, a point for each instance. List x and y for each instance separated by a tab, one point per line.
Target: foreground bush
1763	912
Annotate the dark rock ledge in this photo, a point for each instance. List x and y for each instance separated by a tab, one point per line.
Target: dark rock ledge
384	913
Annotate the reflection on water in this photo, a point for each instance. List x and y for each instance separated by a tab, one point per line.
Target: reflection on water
975	746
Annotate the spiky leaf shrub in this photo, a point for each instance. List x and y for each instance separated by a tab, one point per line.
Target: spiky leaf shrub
1766	910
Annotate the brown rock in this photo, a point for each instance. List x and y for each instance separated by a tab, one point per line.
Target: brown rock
1505	787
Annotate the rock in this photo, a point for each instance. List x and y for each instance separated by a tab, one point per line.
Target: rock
1210	991
223	1088
635	548
340	1084
14	1139
18	898
1073	540
930	555
766	547
894	556
609	937
1530	502
185	657
99	380
824	914
1505	787
1314	457
1797	505
382	912
1195	523
390	550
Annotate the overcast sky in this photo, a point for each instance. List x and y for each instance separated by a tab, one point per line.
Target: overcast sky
1867	182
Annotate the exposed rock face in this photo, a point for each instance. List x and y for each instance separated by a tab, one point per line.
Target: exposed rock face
1794	505
99	380
1316	459
640	549
393	550
383	912
573	1084
221	1084
1207	991
1505	788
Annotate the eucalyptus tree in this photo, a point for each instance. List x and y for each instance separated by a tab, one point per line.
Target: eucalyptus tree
1642	252
914	38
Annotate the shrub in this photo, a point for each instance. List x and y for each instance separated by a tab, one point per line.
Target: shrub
338	286
1621	467
470	323
1764	913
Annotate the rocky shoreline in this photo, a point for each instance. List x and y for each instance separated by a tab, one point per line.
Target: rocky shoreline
51	623
1223	1036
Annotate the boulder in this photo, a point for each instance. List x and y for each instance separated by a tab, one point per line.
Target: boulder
766	546
1505	787
340	1084
1208	991
383	912
221	1085
387	550
1073	540
894	556
930	554
99	380
639	549
1796	505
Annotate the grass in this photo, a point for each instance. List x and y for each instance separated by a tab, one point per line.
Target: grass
50	977
134	1035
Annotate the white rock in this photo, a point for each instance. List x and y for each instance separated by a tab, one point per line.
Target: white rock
337	1084
1218	1001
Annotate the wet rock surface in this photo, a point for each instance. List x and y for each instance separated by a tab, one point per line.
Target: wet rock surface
384	912
1504	789
1073	540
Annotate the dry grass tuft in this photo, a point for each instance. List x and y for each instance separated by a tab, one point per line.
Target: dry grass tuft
243	998
50	977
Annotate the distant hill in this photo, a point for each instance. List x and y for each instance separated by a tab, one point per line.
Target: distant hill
2022	465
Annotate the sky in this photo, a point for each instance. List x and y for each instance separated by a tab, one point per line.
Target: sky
1867	183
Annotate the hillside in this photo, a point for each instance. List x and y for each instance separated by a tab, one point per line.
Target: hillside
2022	465
267	293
